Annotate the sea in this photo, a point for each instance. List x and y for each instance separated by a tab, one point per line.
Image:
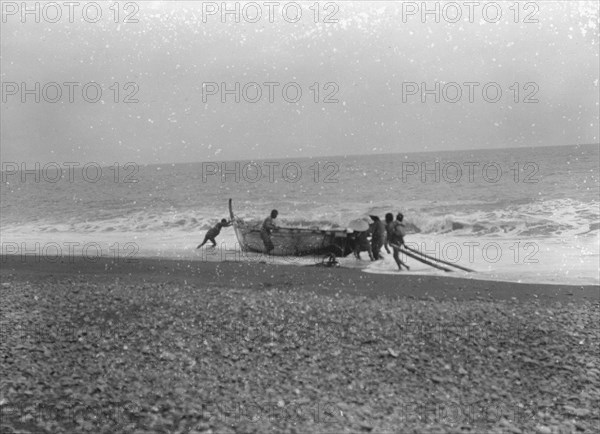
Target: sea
529	215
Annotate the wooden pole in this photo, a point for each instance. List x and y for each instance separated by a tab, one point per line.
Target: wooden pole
439	260
415	257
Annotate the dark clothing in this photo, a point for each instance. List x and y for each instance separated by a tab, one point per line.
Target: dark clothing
376	246
378	238
379	230
268	225
267	241
361	243
265	233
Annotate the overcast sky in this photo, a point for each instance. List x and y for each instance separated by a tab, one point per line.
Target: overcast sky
364	63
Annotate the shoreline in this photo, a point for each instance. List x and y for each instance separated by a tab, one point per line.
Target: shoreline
574	267
259	276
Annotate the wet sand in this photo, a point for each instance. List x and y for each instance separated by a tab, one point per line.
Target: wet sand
320	280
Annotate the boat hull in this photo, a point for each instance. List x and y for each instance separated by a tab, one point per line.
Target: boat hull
291	241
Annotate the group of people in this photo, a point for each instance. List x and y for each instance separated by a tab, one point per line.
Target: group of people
391	233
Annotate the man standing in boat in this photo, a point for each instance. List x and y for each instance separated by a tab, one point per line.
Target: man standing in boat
267	228
395	236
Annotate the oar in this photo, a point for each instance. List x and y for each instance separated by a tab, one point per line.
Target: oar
415	257
440	260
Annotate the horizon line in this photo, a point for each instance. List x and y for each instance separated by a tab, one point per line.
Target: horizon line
374	153
171	163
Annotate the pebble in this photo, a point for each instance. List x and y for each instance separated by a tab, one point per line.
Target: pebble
510	427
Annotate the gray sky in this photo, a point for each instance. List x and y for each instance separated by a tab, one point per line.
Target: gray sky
368	56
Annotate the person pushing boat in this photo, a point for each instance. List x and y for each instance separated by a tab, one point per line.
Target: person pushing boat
378	232
267	229
362	244
212	233
395	236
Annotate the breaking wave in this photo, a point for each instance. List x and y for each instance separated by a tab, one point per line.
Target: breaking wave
551	218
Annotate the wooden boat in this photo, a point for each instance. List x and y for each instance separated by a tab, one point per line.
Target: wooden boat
291	241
